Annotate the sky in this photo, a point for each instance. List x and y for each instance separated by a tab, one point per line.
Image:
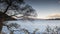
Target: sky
45	7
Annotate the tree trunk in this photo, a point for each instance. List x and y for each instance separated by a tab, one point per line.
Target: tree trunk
1	29
1	21
1	24
11	32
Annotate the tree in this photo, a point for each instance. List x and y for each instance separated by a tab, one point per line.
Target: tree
57	29
48	29
25	31
34	32
10	8
11	26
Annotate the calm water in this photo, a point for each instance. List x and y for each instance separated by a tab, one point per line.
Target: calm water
35	24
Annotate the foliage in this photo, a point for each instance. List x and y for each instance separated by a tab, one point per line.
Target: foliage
16	7
10	8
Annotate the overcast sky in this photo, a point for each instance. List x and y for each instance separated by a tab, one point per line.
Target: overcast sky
45	7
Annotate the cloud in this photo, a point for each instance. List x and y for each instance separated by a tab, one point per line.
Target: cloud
56	15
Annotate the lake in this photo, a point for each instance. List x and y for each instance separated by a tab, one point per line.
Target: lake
35	24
